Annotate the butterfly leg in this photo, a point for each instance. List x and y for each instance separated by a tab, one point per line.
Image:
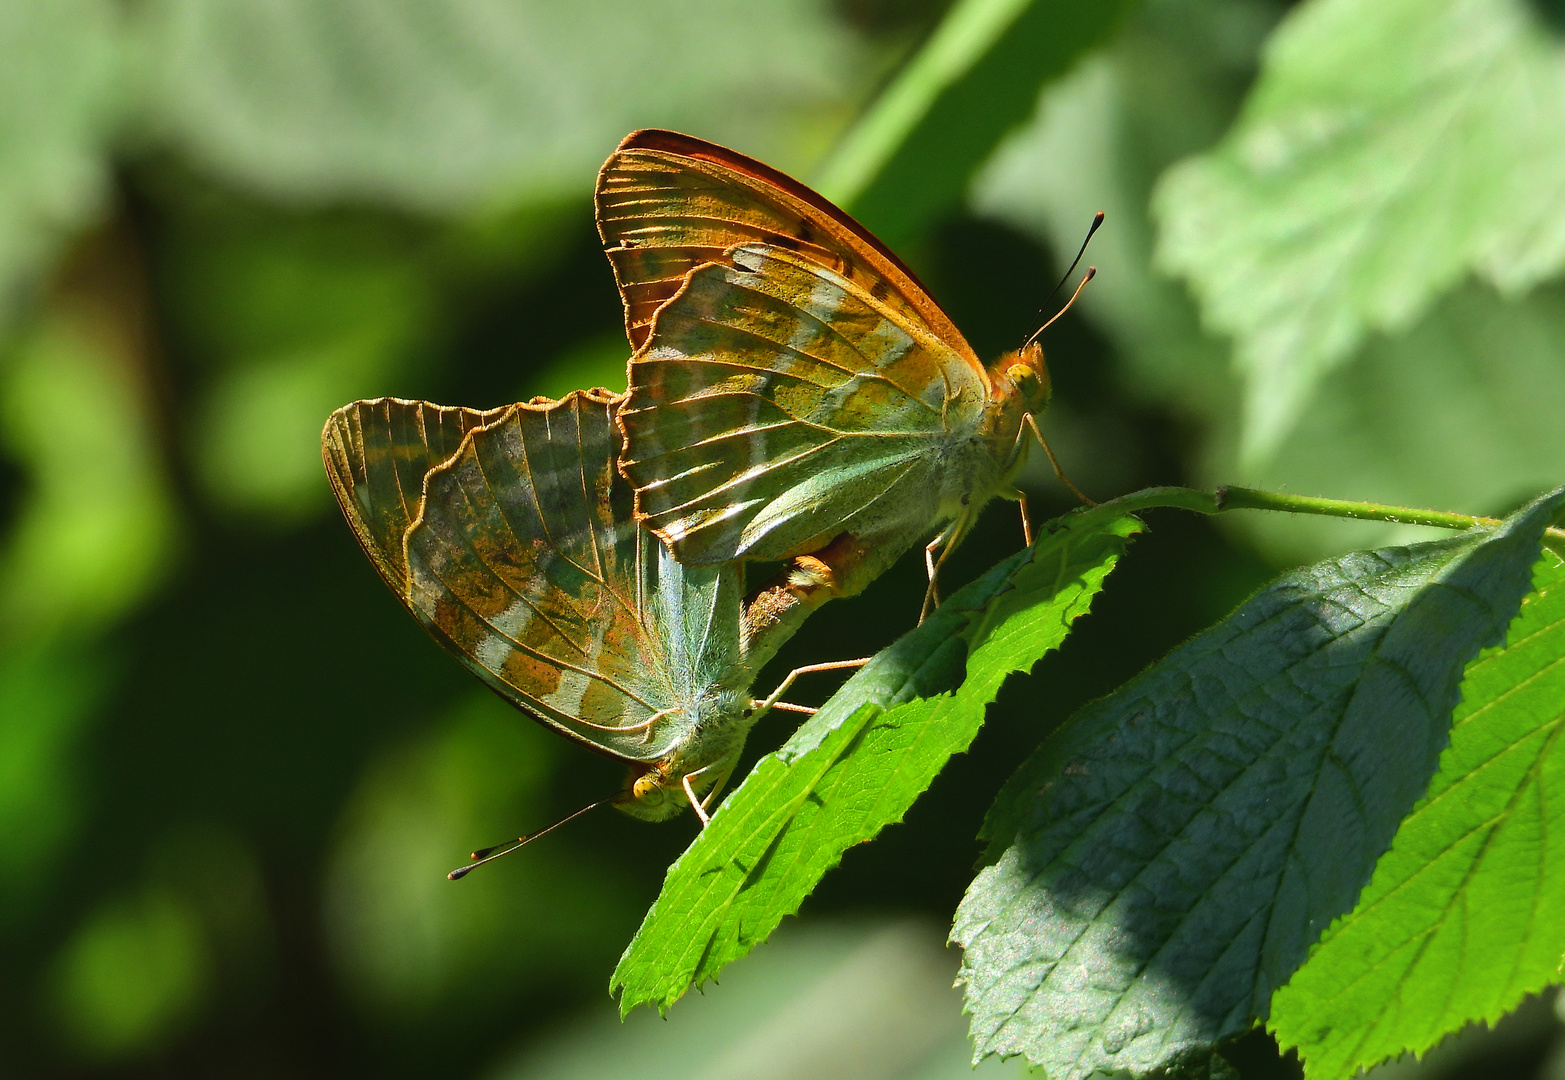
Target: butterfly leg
1054	461
929	558
699	805
725	769
720	783
1018	494
773	702
949	538
1019	497
932	567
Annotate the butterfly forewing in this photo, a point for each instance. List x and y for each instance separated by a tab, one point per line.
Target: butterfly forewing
776	405
377	454
668	203
528	564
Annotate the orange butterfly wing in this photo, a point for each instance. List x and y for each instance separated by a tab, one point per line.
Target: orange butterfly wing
794	380
667	203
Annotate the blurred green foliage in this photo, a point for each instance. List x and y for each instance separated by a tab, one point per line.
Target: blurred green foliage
1361	182
232	772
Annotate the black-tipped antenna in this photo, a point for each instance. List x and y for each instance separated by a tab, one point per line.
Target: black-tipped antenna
1097	219
1092	272
490	854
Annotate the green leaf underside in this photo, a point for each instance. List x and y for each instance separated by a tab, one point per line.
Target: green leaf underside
858	764
1388	150
1462	918
1180	844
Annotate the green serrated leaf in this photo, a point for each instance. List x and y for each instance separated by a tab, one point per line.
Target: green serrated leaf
446	107
1180	844
1390	148
858	764
912	154
1461	919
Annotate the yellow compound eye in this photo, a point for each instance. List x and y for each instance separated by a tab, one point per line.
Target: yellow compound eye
1032	385
648	788
1025	379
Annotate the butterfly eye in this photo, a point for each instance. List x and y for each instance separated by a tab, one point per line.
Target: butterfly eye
1031	384
647	788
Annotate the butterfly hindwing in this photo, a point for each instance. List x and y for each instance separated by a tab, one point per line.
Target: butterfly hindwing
527	563
377	454
776	404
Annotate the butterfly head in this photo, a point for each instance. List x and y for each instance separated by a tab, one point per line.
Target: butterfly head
651	793
1021	381
703	755
656	792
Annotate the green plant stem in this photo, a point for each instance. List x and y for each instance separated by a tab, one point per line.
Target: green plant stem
1242	498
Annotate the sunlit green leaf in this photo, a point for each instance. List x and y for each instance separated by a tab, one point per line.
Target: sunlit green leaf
858	764
1172	853
58	84
1462	918
446	106
911	155
1390	148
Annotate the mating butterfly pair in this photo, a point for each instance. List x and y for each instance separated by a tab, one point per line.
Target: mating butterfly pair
794	395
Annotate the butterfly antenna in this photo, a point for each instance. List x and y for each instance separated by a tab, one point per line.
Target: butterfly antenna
1097	220
490	854
1092	272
